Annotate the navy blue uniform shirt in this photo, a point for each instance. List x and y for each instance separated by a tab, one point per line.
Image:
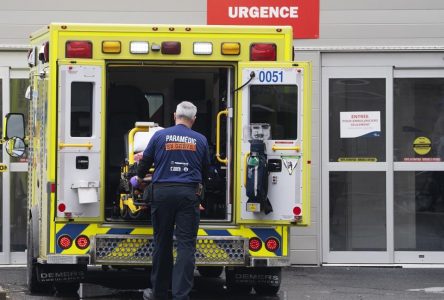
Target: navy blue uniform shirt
179	154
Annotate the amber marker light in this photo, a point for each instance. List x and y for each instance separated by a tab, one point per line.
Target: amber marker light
230	48
111	47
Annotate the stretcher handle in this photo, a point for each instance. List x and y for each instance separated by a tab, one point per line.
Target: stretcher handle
246	156
63	145
221	160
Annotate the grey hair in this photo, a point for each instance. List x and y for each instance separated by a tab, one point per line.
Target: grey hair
186	109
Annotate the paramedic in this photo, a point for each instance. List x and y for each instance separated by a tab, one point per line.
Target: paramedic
181	158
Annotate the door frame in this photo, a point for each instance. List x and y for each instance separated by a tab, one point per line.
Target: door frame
371	257
7	256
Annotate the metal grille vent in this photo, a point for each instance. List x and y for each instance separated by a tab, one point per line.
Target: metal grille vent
132	249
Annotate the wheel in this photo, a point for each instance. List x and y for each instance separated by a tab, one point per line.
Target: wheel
270	286
233	286
211	272
31	271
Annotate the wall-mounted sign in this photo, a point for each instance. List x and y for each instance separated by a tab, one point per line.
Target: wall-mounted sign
360	123
3	168
302	15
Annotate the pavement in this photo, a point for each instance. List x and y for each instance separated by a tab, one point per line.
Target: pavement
297	283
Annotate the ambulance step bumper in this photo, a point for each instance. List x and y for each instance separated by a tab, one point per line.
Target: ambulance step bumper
138	250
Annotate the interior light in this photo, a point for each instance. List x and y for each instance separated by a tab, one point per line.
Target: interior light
170	48
111	47
202	48
230	48
78	49
139	47
263	52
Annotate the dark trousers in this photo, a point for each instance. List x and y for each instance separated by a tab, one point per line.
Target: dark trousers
174	210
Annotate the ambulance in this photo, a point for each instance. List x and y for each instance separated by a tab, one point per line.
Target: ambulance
94	87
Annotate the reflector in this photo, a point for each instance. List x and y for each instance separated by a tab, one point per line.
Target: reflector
61	207
263	52
78	49
297	211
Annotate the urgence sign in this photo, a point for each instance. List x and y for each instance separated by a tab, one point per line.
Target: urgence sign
302	15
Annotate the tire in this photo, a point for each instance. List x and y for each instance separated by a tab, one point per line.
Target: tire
269	288
31	271
210	272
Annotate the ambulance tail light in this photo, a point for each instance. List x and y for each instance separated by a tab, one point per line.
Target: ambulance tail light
255	244
82	242
111	47
272	244
78	49
263	52
139	47
64	241
170	48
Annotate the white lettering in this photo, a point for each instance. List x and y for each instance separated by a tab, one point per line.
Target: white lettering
263	12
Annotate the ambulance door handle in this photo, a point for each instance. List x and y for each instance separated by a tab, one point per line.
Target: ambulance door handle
219	115
294	148
63	145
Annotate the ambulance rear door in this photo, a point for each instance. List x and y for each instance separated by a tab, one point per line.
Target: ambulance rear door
79	141
275	106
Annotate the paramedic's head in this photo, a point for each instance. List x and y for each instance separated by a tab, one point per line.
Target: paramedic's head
185	113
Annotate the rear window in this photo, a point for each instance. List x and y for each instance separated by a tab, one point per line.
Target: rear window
81	109
275	105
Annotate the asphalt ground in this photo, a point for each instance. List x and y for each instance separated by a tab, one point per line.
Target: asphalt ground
297	283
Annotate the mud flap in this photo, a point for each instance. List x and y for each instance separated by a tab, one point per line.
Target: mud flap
267	276
48	273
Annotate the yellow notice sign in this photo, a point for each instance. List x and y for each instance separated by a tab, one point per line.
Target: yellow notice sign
422	145
3	168
357	159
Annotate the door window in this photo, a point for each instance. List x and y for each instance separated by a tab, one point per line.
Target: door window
357	119
419	119
357	211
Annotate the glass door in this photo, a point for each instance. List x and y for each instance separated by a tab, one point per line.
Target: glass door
357	206
418	166
13	199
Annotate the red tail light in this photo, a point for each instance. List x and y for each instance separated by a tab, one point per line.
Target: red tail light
82	242
272	244
78	49
170	48
64	241
255	244
263	52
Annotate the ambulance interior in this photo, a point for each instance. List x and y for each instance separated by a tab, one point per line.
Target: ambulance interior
140	93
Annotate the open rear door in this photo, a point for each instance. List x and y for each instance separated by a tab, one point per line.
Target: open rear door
79	141
274	185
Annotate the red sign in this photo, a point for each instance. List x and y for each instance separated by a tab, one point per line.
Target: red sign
303	15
